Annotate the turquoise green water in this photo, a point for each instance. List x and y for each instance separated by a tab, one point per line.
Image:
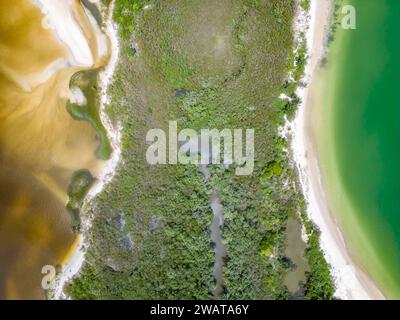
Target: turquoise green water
361	144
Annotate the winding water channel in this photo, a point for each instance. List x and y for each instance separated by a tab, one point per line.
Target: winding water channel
216	235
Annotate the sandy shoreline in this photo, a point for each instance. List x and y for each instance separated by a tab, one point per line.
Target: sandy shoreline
350	281
76	260
59	16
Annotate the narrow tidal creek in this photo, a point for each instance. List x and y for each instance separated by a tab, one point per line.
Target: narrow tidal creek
216	236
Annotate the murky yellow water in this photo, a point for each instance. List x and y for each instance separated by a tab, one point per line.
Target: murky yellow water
40	145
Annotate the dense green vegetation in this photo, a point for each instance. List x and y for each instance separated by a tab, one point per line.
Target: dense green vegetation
319	282
80	184
87	82
207	64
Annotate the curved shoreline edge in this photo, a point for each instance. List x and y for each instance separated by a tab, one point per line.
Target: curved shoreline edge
76	261
349	279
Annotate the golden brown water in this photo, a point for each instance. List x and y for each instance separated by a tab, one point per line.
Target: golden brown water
40	146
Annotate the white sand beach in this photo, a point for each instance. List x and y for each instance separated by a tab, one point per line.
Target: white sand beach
350	281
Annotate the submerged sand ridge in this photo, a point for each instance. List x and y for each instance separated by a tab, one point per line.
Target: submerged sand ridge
43	43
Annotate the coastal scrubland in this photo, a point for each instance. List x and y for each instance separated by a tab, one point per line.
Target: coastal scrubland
206	64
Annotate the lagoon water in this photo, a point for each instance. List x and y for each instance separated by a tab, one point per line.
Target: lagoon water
40	145
359	138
